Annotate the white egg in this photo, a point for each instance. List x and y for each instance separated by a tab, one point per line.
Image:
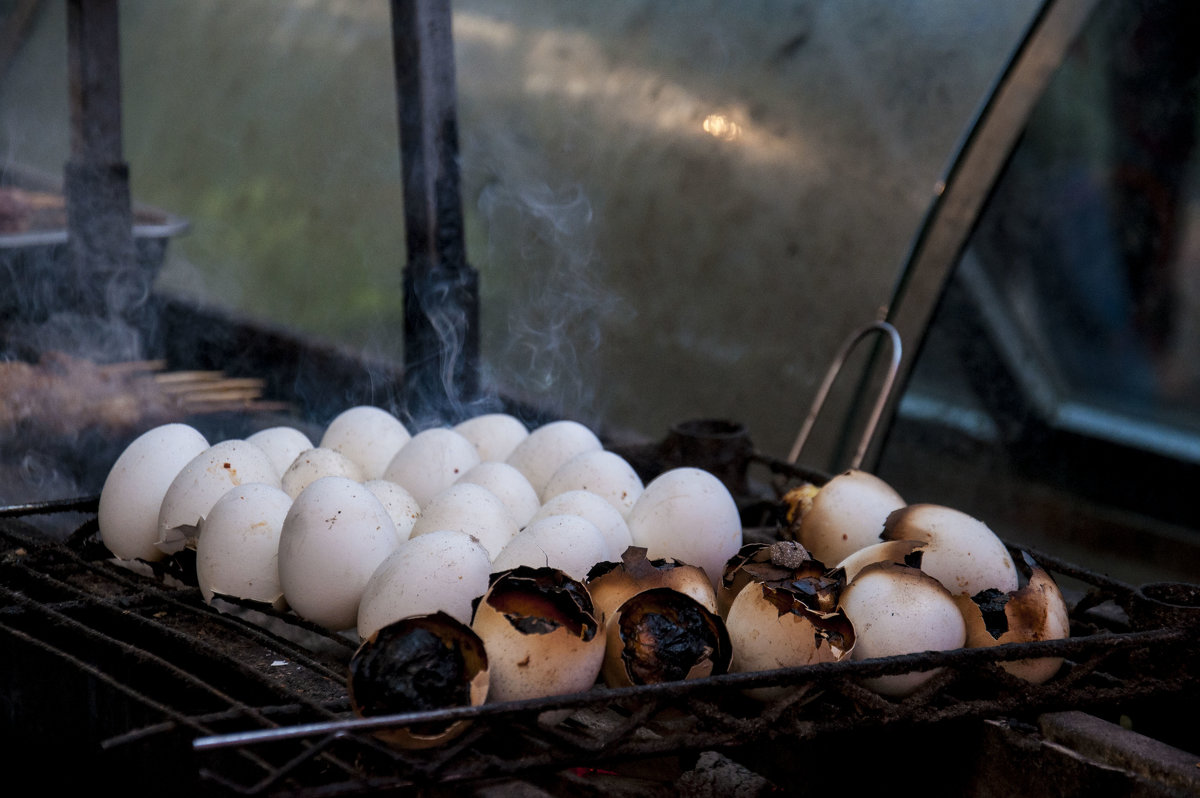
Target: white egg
431	462
282	444
400	504
206	478
495	435
237	551
898	609
596	509
135	486
441	571
689	515
312	464
548	447
600	471
370	436
334	537
509	484
960	551
568	543
471	509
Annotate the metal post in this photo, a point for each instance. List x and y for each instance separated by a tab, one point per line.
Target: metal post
441	291
99	212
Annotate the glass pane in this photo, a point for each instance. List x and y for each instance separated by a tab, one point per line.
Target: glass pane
677	209
1062	372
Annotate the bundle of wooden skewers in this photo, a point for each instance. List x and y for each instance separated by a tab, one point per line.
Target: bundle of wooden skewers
62	394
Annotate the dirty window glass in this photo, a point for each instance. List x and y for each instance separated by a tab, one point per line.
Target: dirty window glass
677	209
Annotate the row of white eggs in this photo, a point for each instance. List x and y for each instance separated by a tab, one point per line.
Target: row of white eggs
373	524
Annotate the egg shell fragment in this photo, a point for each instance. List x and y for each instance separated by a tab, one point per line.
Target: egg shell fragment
442	571
769	630
689	515
548	447
494	435
613	583
133	491
601	472
282	444
431	462
206	478
334	537
237	553
368	435
541	635
1037	611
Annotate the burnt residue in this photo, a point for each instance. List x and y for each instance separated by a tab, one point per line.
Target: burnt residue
992	605
668	636
540	600
409	669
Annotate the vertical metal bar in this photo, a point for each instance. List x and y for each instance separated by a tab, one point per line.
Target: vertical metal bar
441	291
99	212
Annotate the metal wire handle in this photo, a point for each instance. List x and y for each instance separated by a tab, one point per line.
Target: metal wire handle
835	368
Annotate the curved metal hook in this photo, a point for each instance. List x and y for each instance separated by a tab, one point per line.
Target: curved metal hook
835	368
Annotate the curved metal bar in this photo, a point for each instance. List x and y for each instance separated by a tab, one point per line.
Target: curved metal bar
878	327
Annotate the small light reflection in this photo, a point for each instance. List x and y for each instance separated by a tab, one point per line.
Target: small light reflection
721	127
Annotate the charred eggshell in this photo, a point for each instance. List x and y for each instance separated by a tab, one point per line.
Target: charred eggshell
541	633
613	583
419	664
662	635
1036	611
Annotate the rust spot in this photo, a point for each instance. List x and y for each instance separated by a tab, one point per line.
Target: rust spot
524	663
227	465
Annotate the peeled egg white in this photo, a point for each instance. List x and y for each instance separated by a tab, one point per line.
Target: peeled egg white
441	571
568	543
431	462
206	478
471	509
689	515
596	509
135	486
509	485
600	471
237	551
282	444
370	436
494	435
334	537
548	447
312	464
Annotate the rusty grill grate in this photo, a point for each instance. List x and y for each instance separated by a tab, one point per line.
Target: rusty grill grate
136	669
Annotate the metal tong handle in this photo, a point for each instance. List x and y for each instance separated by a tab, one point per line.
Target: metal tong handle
881	327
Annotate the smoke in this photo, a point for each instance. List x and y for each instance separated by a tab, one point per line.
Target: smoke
547	282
